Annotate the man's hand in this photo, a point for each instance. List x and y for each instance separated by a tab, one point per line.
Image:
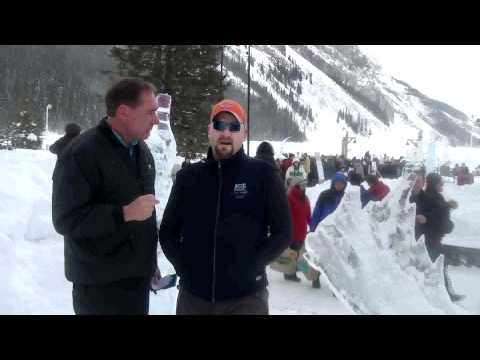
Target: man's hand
140	209
155	280
157	275
421	219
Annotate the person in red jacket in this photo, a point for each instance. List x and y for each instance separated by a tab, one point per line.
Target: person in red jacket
300	212
376	192
378	188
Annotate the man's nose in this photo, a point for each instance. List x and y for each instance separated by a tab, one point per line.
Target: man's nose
226	130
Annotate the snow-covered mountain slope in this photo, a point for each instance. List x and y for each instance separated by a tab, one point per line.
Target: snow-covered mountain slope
299	90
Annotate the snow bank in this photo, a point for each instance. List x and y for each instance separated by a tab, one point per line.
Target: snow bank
372	260
31	252
32	279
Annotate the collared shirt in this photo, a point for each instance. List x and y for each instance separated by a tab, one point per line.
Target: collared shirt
130	147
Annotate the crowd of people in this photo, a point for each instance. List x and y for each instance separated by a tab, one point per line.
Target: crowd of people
462	175
227	218
298	173
432	213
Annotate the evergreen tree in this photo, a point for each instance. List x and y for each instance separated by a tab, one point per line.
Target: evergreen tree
190	74
26	132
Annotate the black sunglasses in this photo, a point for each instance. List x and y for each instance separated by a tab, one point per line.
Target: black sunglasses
221	125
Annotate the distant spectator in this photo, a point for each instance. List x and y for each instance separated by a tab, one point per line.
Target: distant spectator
72	130
354	178
328	200
286	163
295	171
433	222
300	212
187	160
306	164
266	153
376	192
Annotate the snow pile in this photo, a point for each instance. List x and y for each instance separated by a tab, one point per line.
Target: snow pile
384	273
372	262
31	252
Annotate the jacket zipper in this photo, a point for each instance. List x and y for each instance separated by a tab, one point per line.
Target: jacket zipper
220	183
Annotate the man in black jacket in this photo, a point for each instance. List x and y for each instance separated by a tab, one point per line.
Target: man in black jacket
103	203
226	219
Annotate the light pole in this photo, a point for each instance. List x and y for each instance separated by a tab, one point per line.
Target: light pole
46	117
46	123
471	130
345	141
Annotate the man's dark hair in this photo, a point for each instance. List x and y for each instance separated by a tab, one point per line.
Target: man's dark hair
126	92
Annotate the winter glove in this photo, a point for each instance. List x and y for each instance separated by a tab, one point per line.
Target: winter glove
452	204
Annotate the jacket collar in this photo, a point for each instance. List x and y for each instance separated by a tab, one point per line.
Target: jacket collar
238	157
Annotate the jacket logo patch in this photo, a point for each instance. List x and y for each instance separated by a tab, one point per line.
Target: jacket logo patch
240	190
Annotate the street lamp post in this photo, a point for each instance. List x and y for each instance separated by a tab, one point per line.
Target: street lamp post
46	122
46	116
345	141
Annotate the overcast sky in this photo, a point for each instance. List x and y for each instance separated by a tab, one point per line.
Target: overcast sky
449	73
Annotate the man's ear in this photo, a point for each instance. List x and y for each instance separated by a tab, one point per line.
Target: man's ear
122	112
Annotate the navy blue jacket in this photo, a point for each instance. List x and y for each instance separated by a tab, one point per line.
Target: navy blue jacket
327	202
223	223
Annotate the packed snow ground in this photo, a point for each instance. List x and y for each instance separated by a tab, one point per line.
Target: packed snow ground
32	261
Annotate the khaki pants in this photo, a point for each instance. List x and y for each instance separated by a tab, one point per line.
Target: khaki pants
255	304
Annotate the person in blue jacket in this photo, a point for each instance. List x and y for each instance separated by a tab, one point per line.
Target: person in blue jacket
328	200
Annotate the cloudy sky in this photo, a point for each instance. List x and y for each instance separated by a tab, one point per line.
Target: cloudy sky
449	73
